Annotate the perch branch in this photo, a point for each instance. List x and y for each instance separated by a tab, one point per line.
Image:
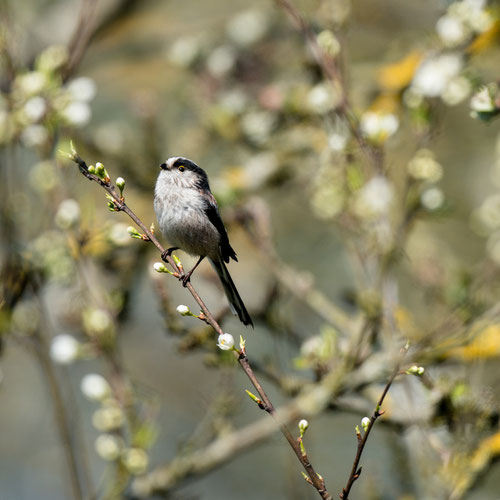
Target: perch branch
120	205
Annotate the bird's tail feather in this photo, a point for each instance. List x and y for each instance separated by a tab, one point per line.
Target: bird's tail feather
237	305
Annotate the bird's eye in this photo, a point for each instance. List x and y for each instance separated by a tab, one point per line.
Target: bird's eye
180	168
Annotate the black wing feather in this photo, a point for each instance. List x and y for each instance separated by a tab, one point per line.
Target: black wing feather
213	215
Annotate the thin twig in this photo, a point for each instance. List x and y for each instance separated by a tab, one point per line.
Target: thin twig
331	70
60	413
356	470
80	39
120	205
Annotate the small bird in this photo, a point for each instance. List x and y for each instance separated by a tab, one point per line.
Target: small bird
188	217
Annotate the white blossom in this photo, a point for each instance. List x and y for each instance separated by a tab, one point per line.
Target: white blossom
108	446
434	74
68	214
95	387
31	83
35	108
82	89
64	349
108	417
322	98
34	135
258	125
98	321
184	51
452	31
375	197
423	166
483	101
378	126
247	27
456	91
432	198
221	61
234	101
77	113
225	342
489	212
329	42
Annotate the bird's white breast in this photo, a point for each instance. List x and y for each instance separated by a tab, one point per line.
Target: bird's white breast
182	219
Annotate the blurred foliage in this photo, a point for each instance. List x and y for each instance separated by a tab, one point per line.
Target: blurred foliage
335	176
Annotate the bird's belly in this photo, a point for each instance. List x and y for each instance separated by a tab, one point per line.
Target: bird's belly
191	231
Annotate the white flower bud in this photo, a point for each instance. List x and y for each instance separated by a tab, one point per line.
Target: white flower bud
183	310
120	184
108	447
108	417
95	387
135	460
64	349
303	425
365	422
432	198
99	169
160	267
416	370
225	342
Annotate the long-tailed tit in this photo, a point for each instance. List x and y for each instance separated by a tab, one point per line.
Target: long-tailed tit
189	219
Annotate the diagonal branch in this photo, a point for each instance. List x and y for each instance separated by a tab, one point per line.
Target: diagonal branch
120	205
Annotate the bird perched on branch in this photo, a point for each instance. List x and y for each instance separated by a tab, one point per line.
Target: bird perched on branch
189	219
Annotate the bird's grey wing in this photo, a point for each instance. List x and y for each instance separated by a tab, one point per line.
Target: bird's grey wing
212	212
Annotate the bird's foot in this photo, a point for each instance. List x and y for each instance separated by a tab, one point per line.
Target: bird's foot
167	253
185	278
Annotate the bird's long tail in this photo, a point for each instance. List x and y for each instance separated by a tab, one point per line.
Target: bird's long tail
237	305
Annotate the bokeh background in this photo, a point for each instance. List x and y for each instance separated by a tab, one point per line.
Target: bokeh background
364	210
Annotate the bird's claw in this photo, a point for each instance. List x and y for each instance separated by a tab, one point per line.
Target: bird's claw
185	278
167	253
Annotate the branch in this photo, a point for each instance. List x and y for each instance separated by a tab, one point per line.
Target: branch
329	66
119	204
356	470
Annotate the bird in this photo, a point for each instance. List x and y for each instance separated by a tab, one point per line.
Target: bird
188	217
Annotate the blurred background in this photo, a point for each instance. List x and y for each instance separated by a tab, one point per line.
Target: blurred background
355	156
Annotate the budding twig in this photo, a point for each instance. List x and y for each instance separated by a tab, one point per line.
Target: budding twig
362	439
119	204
